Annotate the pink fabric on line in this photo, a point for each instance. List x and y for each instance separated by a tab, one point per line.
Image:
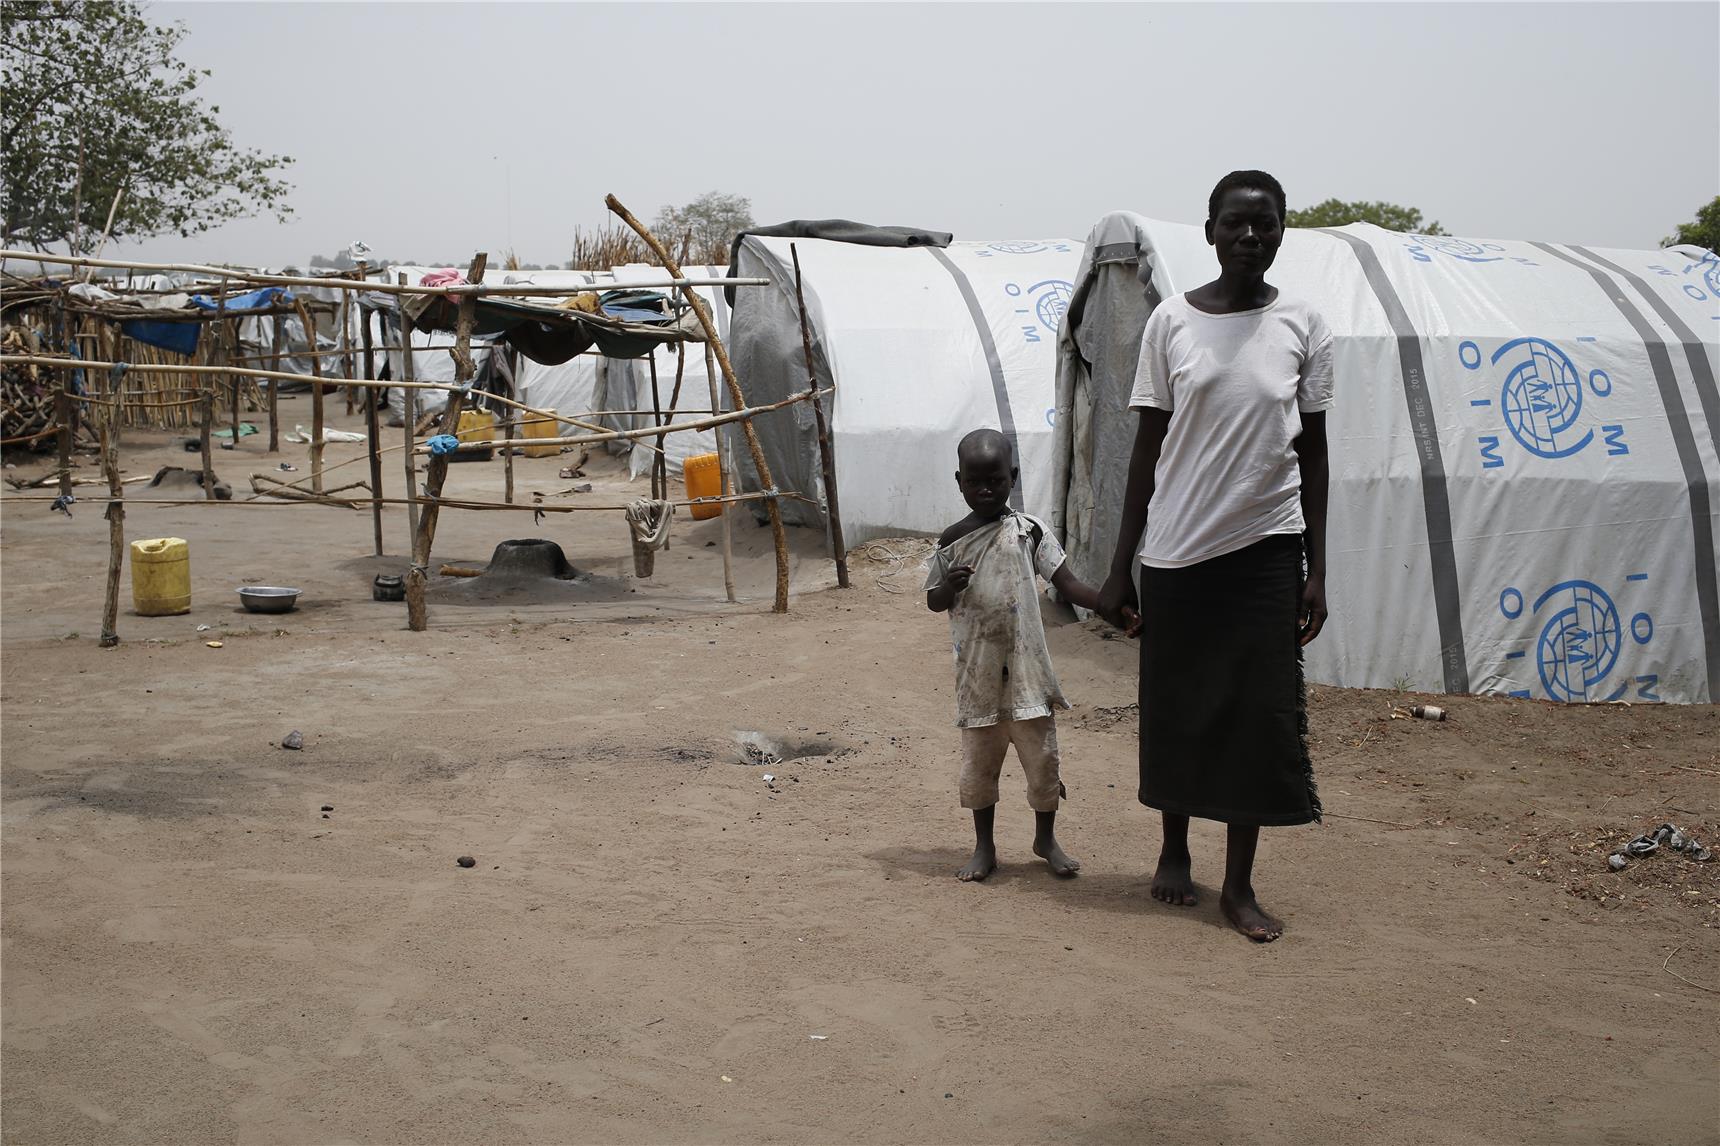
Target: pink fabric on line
446	277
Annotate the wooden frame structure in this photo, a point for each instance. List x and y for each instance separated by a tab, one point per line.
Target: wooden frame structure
424	505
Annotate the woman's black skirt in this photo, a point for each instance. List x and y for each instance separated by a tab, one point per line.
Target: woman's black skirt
1224	717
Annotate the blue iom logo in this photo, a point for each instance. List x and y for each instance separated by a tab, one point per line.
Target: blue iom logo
1043	304
1542	393
1581	641
1422	248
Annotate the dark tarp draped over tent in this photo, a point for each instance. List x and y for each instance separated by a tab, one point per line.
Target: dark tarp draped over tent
837	231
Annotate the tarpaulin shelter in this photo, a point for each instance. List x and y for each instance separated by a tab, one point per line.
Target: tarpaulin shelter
922	344
1525	451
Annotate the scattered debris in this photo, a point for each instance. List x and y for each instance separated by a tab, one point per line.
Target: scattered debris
466	861
819	1038
769	779
1670	836
294	740
213	644
328	807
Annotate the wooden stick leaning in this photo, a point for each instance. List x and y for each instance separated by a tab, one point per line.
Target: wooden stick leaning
658	470
116	529
372	430
317	443
508	433
635	436
674	400
778	537
219	353
723	488
418	616
63	427
278	337
206	423
348	367
408	416
826	459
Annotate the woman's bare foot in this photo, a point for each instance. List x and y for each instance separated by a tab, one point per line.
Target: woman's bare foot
1054	857
983	863
1248	917
1173	883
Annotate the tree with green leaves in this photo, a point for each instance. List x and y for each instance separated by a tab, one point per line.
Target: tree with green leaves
1704	232
714	220
99	115
1336	213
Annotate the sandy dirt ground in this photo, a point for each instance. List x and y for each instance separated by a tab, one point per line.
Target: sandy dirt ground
207	938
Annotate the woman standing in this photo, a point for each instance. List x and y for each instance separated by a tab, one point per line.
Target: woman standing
1226	501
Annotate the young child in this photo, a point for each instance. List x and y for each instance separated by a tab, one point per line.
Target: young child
982	575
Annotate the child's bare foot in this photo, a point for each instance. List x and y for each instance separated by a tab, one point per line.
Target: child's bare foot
1055	858
983	863
1248	917
1173	883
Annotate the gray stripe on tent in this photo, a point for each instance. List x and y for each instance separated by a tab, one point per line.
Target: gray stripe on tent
1701	370
1006	420
1684	441
1435	497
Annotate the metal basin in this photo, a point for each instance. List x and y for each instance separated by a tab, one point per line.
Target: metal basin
269	598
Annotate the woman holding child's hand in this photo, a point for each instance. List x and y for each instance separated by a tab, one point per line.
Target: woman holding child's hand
1225	513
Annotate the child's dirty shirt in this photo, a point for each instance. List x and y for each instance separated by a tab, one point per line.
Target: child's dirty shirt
1003	669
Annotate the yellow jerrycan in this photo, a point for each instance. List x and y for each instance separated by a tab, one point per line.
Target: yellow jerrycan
161	576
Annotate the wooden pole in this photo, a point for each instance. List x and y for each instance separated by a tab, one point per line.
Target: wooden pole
662	459
219	353
508	434
520	290
436	472
317	443
723	475
116	528
372	429
658	470
637	436
204	369
63	421
206	427
409	413
778	537
827	460
346	363
278	333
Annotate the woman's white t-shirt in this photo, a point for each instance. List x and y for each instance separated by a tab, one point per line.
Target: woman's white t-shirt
1237	385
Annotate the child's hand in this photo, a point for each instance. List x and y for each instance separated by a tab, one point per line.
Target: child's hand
1132	623
958	578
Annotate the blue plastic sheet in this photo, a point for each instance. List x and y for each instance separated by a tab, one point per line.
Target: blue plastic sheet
239	303
179	337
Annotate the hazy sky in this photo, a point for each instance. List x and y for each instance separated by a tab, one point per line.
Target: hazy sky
434	130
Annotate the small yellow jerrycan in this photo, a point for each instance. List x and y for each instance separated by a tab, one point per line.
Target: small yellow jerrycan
161	576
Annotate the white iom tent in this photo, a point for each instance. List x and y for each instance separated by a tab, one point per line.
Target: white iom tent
1525	452
922	345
